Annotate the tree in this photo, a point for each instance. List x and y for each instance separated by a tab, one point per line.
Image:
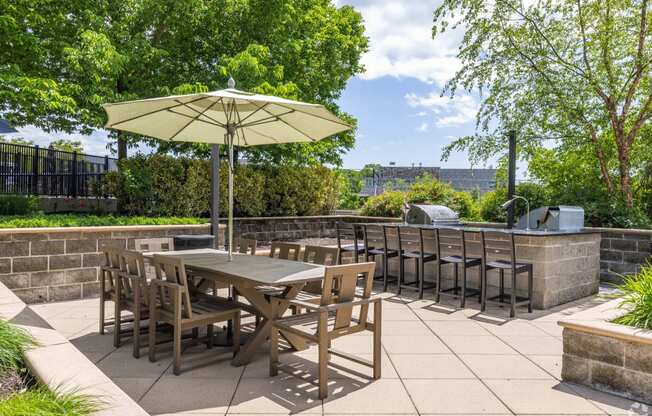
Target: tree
573	71
59	61
16	140
68	145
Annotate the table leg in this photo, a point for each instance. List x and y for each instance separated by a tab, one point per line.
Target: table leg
262	332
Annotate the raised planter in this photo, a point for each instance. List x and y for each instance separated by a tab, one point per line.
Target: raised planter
55	362
605	356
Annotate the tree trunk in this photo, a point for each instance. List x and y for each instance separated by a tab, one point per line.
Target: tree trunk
122	146
625	176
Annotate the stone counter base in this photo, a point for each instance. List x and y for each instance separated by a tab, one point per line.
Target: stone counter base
608	357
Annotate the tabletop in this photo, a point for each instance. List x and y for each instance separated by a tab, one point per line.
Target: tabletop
261	270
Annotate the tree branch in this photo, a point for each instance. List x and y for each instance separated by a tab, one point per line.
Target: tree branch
639	61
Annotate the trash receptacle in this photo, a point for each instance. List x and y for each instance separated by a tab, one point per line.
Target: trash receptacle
190	242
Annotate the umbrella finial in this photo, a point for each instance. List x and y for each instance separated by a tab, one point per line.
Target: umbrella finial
231	83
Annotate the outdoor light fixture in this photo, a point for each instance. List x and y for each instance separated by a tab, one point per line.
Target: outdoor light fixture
527	204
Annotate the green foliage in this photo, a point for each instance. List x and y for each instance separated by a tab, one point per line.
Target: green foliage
637	299
57	71
18	205
43	401
16	140
164	185
13	344
68	145
572	74
352	182
387	204
490	203
425	190
82	220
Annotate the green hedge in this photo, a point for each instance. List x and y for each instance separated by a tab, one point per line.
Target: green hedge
18	205
425	190
84	220
164	185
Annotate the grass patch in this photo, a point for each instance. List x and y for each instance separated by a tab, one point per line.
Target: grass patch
13	344
637	300
41	401
80	220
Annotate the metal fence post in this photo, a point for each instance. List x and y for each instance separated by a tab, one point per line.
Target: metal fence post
35	171
73	176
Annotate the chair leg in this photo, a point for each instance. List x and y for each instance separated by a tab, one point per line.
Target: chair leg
421	276
530	289
378	320
236	333
401	273
273	352
512	309
323	366
117	323
483	288
136	336
102	294
463	300
385	277
176	348
457	282
151	339
502	285
438	286
209	336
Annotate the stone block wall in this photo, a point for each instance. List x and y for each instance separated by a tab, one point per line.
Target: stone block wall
42	265
608	363
623	252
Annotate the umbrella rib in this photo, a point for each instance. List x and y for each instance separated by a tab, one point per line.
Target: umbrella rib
314	115
216	123
244	137
154	112
267	119
257	110
286	123
265	135
200	112
190	122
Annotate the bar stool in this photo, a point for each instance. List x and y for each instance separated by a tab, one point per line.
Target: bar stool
453	241
501	247
411	247
349	231
374	234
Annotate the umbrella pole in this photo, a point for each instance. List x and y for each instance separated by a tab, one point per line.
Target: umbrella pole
230	139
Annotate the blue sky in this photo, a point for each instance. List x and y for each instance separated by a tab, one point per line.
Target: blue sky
401	116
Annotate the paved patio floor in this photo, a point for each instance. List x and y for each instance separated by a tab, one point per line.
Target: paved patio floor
436	360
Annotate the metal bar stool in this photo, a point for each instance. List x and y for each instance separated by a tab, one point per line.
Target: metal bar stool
452	242
351	232
375	244
499	253
411	247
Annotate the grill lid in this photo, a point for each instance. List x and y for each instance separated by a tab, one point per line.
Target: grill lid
430	214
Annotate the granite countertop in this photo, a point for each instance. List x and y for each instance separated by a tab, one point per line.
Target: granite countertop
517	231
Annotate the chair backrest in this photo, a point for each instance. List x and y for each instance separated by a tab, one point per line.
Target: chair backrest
346	231
372	235
111	267
172	270
285	251
450	242
339	286
154	244
245	245
391	239
429	240
498	246
409	238
326	256
132	272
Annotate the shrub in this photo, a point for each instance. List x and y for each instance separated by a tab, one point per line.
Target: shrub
490	203
637	299
81	220
42	401
387	204
13	344
18	205
162	185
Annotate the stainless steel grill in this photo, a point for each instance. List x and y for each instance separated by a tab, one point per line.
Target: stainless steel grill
431	215
557	218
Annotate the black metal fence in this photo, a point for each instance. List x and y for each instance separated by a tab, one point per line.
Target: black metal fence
32	170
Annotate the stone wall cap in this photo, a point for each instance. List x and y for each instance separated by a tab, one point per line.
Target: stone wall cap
101	228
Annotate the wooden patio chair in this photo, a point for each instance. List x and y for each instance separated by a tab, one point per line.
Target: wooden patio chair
332	318
132	294
154	244
326	256
285	251
108	275
173	301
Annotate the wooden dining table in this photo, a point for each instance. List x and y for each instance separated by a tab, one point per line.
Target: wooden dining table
246	273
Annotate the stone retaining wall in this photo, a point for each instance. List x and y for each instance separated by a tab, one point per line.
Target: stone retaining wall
52	264
623	252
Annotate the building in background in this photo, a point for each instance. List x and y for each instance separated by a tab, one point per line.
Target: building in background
381	178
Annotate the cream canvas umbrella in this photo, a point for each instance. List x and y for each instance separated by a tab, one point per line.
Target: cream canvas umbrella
230	117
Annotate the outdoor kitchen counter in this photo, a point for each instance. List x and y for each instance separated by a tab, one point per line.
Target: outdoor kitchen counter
566	264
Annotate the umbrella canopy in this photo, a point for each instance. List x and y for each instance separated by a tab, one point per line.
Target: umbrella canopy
231	117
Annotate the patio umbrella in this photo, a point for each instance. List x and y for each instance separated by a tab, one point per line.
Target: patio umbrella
231	117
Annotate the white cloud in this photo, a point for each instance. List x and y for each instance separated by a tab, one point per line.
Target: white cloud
423	127
421	114
401	43
448	112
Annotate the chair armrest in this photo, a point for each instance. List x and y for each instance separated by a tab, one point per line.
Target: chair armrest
314	307
169	285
